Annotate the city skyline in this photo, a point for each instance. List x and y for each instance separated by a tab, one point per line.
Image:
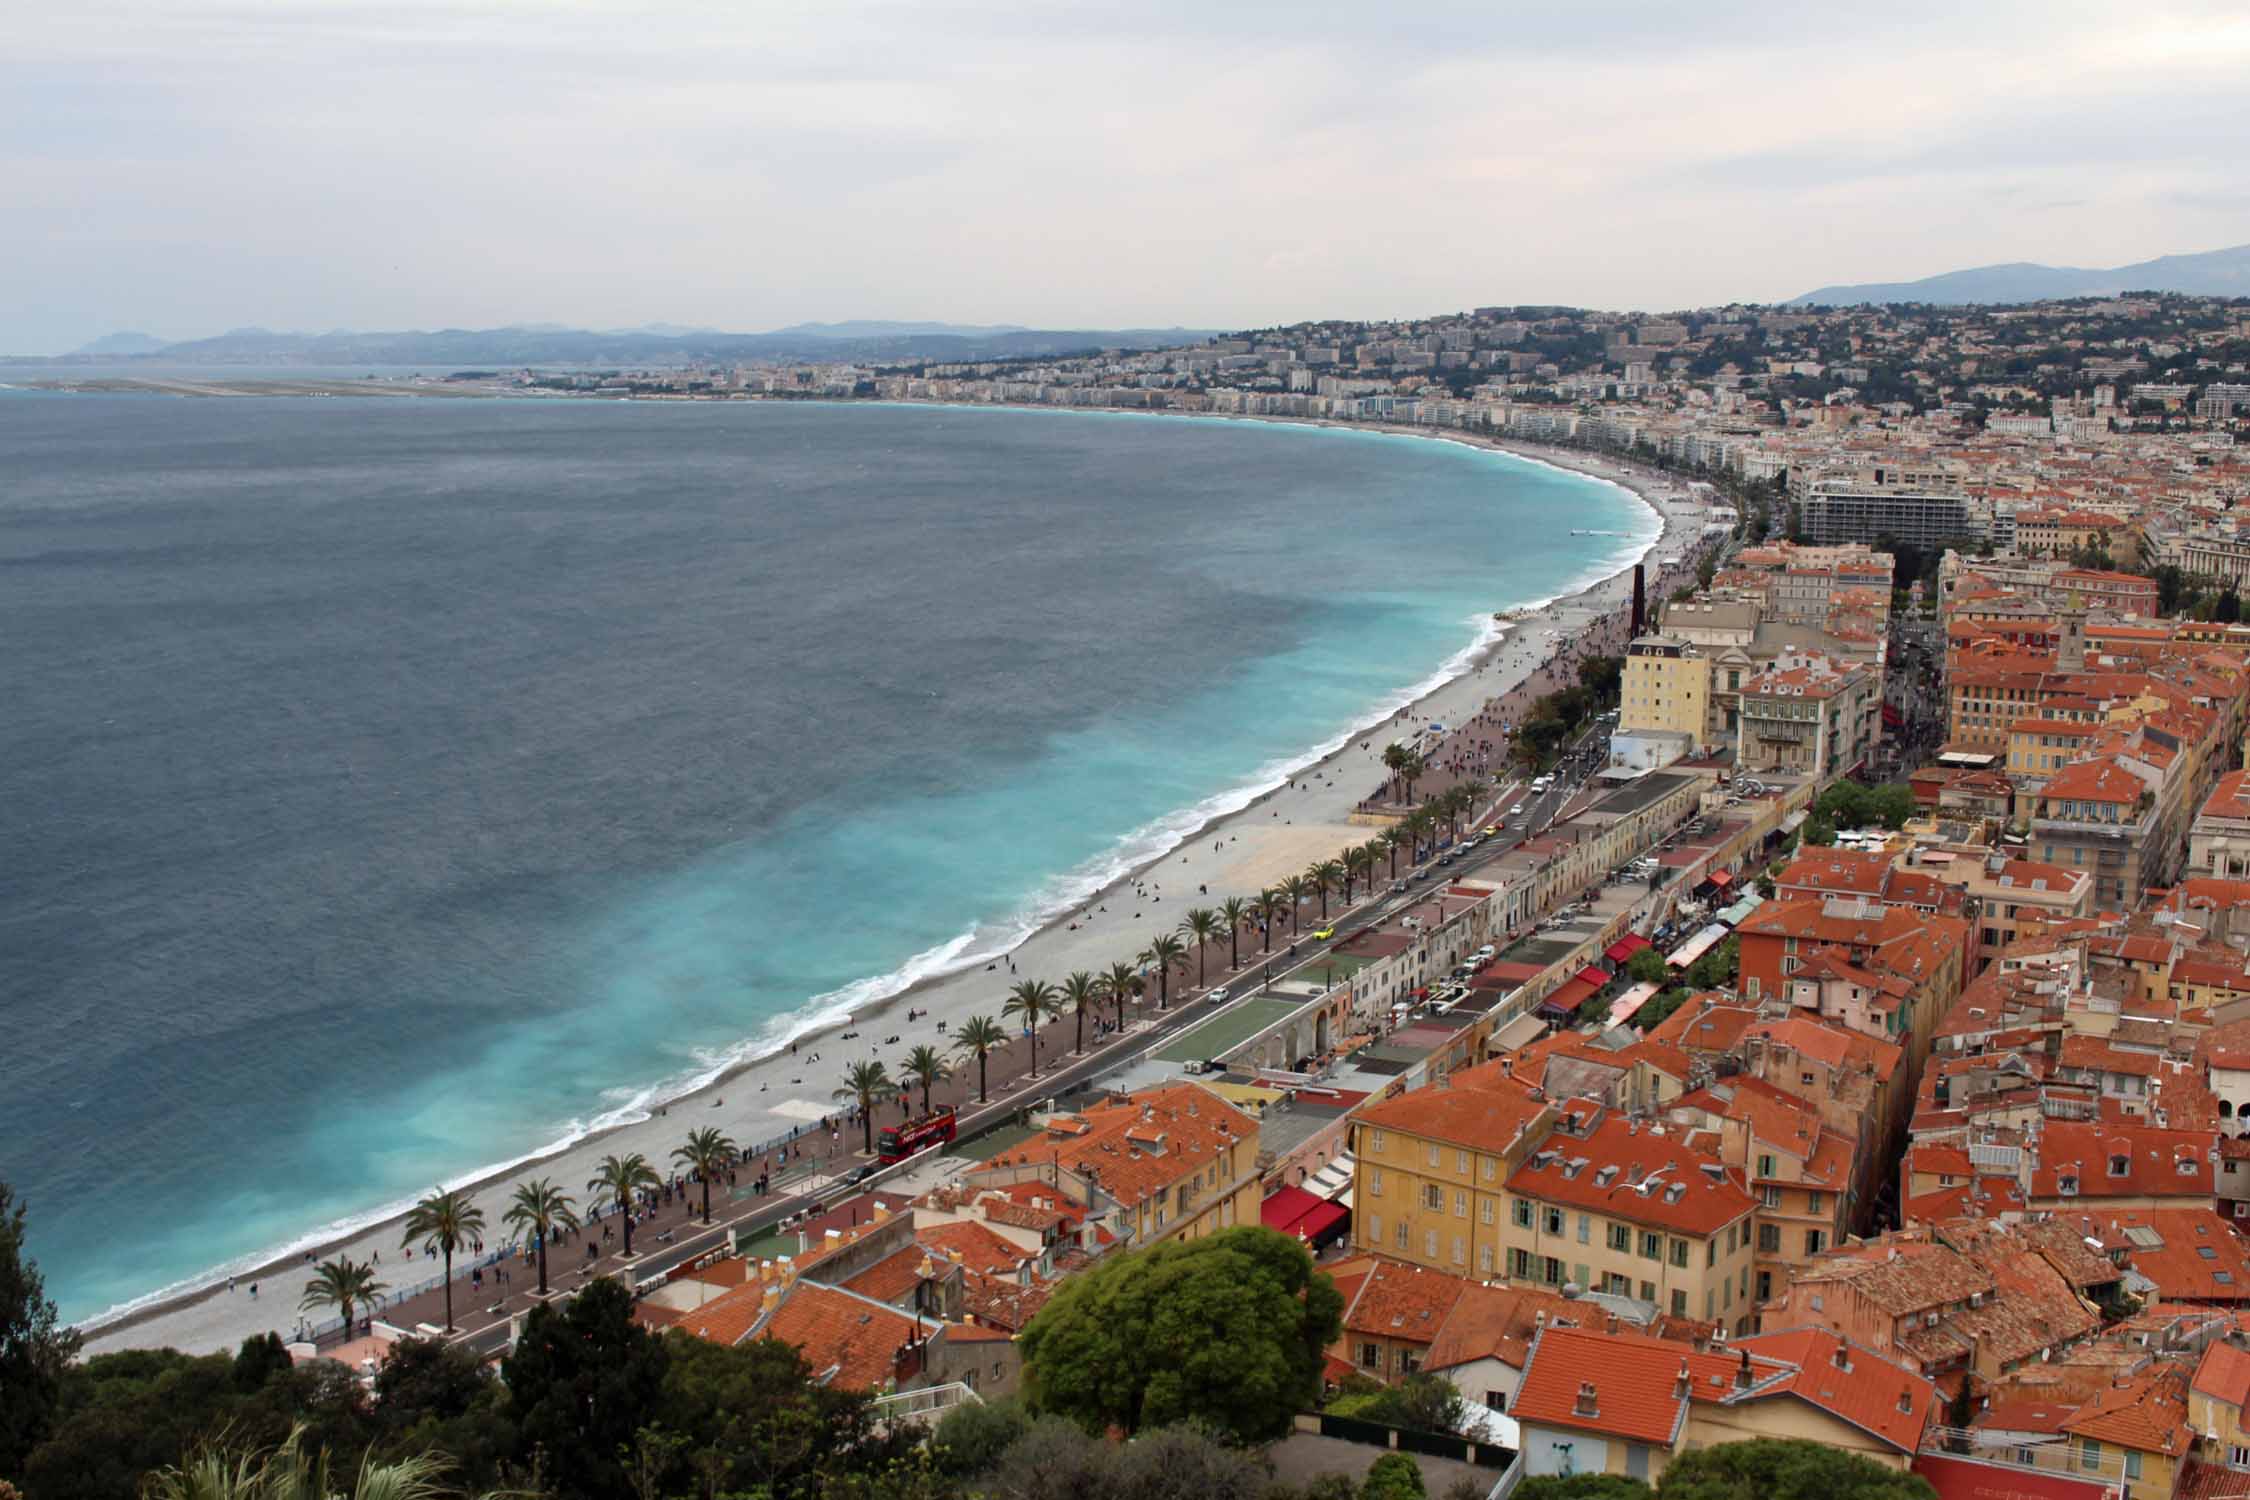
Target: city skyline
190	168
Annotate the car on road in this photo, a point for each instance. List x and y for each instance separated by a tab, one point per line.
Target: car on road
1217	995
1323	934
858	1175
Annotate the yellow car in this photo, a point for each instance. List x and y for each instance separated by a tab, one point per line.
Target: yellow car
1490	829
1324	934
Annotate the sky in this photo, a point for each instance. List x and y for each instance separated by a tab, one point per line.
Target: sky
181	167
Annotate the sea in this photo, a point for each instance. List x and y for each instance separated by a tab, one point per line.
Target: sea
394	788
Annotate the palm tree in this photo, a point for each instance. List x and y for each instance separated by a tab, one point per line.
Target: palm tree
621	1177
1269	906
1202	924
1029	1003
1120	986
927	1066
539	1209
708	1152
1413	771
1324	877
1296	888
1236	911
1079	992
1359	864
1166	953
213	1472
453	1221
343	1284
1395	758
980	1034
864	1083
1418	826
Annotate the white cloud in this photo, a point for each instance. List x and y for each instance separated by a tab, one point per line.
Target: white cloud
184	166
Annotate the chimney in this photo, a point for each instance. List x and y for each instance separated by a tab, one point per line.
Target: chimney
1588	1403
1906	1403
1843	1357
1742	1373
1682	1383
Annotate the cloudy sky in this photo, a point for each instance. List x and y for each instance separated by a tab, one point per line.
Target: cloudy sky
186	166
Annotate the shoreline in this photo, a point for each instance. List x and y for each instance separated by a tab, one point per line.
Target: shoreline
1455	691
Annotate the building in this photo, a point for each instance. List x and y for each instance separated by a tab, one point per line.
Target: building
1179	1162
1806	716
1918	506
1665	698
1612	1205
1431	1168
2100	816
2219	838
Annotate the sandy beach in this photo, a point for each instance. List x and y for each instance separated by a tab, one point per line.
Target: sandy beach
1282	832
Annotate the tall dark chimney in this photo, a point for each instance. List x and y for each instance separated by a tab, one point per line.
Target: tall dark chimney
1640	602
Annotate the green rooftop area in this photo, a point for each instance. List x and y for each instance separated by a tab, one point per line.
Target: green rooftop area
1224	1032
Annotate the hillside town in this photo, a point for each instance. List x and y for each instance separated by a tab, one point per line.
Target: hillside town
1827	1020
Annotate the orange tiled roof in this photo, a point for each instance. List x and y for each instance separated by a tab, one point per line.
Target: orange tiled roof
1865	1389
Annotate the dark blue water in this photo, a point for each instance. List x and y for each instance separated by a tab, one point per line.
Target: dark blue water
395	787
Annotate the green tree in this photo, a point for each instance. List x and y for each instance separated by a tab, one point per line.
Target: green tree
622	1178
538	1210
926	1066
1359	866
449	1218
1785	1469
1201	926
1396	758
1583	1487
866	1082
1819	832
261	1357
344	1284
582	1380
1234	911
1031	1004
1229	1328
1121	985
1394	1476
1600	675
1080	989
707	1153
1647	967
755	1422
219	1471
2229	608
1325	877
36	1347
1165	953
1269	906
977	1036
973	1435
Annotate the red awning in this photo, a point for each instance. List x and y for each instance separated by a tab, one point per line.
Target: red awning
1593	976
1569	995
1284	1208
1323	1223
1968	1479
1721	879
1625	947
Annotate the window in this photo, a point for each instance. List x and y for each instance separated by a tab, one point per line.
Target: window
1484	1259
1374	1229
1432	1153
1620	1238
1765	1164
1519	1262
1550	1271
1814	1241
1460	1251
1679	1303
1370	1357
2132	1463
1497	1400
1429	1243
1461	1162
2238	1458
1519	1211
1770	1196
1765	1286
1484	1211
1486	1166
1405	1236
1769	1238
1711	1251
1648	1292
1552	1221
2089	1454
1377	1145
1585	1229
1617	1285
1433	1197
1679	1253
1652	1245
1375	1182
1815	1202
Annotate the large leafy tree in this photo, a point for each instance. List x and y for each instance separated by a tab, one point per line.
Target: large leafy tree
583	1379
451	1220
35	1345
1228	1328
1785	1469
755	1422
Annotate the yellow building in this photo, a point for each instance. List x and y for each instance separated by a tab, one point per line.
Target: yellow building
1666	689
1431	1169
1179	1161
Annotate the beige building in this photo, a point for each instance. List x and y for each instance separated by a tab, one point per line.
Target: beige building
1178	1162
1666	688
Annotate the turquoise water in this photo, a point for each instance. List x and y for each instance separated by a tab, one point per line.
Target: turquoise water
417	785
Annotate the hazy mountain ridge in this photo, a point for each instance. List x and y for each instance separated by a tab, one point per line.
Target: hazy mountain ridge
2210	273
534	344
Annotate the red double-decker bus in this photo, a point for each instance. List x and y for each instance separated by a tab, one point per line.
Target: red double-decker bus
898	1142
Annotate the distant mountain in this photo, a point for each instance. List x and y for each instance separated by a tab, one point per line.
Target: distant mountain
2213	273
865	328
122	343
537	344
